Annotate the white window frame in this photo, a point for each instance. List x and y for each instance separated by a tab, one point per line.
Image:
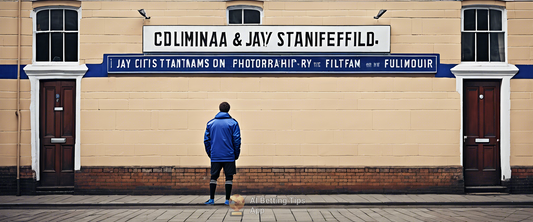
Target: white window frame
242	7
504	30
33	15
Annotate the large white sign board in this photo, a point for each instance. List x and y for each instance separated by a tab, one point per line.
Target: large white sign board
357	39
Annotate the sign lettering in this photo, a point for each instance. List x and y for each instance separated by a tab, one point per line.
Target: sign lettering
266	39
272	63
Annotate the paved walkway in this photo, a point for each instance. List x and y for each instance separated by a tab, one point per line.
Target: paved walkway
268	200
185	208
223	214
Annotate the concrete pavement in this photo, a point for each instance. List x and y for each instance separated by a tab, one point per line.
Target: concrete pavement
269	200
341	207
219	213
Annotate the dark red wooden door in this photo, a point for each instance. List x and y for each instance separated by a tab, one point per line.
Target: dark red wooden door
481	133
57	119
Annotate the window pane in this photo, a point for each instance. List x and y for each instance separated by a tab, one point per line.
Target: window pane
497	47
495	20
467	46
41	44
235	16
482	51
482	19
71	20
57	19
71	47
470	19
57	47
252	16
42	20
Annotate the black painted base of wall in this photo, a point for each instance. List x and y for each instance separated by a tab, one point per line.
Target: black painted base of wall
521	180
8	181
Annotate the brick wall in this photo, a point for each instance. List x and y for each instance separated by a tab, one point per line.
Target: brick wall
263	180
277	180
521	179
8	180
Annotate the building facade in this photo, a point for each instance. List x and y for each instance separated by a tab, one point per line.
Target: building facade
331	96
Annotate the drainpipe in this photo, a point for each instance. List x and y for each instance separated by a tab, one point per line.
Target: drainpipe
18	96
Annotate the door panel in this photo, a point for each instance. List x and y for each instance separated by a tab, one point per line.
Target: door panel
68	114
49	119
471	116
49	159
472	164
489	112
481	132
57	118
488	165
68	163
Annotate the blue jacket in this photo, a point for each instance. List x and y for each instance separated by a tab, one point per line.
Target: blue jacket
222	138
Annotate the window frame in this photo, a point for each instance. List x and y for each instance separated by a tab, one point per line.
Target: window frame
504	30
243	7
35	32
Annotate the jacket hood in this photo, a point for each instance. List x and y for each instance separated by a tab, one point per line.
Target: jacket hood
222	115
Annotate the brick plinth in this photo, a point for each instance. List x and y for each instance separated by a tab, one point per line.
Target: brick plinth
268	180
521	179
8	180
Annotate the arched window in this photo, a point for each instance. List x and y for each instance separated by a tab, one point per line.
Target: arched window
244	15
56	35
483	35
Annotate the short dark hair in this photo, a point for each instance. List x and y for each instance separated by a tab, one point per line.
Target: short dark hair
224	107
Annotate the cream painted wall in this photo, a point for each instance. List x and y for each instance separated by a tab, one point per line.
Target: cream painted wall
289	121
364	121
416	27
8	32
521	122
520	31
8	122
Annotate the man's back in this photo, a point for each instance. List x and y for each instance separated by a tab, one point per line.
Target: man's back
222	138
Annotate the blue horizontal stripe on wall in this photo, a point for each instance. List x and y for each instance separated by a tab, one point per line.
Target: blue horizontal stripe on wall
10	72
444	71
99	70
96	70
524	72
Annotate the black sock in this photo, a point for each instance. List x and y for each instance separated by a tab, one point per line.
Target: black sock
228	190
212	189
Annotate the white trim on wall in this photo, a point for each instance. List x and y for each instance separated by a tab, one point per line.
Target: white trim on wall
52	70
36	73
501	71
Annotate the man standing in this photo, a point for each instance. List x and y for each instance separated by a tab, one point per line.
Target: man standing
222	142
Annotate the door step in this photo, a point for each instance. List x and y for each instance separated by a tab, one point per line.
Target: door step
487	189
55	190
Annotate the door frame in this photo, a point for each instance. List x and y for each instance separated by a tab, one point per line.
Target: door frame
36	73
500	71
